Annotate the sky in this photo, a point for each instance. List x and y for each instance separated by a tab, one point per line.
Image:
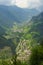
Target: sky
23	3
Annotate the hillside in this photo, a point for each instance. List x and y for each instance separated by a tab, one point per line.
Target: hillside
11	14
37	26
32	36
20	38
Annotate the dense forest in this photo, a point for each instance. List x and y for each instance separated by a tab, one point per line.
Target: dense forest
21	43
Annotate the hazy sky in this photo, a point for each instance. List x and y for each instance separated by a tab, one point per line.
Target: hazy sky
23	3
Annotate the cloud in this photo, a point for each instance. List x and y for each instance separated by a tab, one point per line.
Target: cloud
34	3
41	1
23	3
20	3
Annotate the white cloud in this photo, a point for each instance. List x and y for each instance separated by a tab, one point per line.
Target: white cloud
23	3
34	3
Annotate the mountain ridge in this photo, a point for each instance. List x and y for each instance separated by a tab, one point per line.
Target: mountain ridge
11	14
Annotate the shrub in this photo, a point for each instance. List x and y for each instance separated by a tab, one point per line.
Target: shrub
36	57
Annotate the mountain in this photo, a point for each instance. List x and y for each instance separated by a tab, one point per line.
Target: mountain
32	36
11	14
35	28
11	37
41	8
38	18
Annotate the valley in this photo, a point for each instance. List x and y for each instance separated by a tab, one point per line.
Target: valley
21	36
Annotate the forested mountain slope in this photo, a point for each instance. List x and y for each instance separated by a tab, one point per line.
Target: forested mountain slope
11	14
32	35
28	35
